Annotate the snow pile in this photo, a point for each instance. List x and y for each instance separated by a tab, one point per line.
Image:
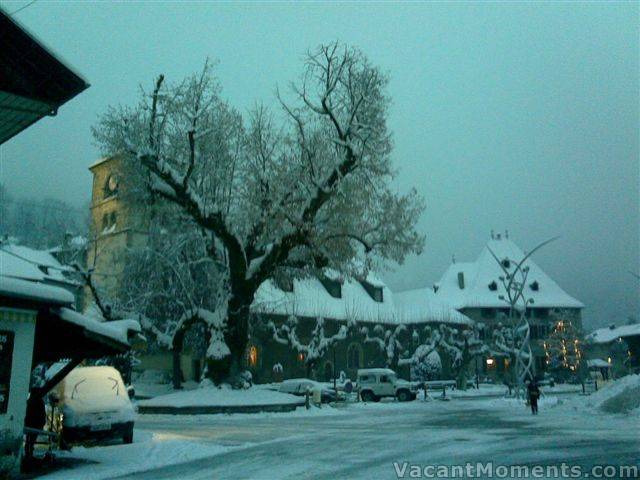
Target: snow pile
117	330
213	396
621	396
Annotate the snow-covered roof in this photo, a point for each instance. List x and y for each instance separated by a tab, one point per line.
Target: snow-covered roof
414	306
18	261
117	330
311	299
485	270
598	363
28	290
609	334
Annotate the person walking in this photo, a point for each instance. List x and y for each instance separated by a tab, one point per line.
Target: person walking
534	395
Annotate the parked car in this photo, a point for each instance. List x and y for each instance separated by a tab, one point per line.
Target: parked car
376	383
91	404
299	386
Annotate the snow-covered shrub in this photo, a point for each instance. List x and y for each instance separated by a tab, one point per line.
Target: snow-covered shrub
430	368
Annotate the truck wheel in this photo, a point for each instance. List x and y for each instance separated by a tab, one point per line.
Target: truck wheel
127	438
368	396
404	396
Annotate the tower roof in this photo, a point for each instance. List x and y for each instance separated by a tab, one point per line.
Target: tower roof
477	284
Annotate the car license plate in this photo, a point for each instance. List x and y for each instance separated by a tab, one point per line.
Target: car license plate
98	427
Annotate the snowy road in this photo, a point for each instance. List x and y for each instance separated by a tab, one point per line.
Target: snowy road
364	441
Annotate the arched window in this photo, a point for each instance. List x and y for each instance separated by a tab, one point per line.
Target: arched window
328	372
252	356
354	354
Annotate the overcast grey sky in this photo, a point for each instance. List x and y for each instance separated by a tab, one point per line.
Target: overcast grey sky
505	115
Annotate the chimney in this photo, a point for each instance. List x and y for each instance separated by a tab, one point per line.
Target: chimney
461	280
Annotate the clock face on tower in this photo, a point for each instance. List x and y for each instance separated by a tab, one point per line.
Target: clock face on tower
112	185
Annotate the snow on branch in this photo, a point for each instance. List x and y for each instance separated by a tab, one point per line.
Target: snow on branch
318	343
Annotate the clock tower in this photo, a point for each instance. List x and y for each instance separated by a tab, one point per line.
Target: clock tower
116	223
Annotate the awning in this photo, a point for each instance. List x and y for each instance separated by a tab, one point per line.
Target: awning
33	82
62	333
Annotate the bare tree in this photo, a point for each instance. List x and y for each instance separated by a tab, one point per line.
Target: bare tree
306	193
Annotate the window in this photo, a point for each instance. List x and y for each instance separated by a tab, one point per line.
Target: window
534	331
252	356
333	287
541	313
6	359
384	379
375	292
328	372
481	334
353	356
541	364
109	222
488	312
284	283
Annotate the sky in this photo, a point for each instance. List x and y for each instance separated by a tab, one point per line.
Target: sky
519	116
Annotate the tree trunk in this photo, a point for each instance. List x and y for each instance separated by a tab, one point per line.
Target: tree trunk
236	337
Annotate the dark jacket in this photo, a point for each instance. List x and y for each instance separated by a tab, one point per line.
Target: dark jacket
534	391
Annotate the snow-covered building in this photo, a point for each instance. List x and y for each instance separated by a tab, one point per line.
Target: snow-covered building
39	324
618	346
19	261
363	304
476	290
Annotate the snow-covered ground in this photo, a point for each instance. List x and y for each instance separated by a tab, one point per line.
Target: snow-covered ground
149	451
364	440
497	390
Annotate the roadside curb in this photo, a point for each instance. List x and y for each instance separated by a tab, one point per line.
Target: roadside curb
216	409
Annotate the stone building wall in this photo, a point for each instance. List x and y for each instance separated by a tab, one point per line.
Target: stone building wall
116	223
347	355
